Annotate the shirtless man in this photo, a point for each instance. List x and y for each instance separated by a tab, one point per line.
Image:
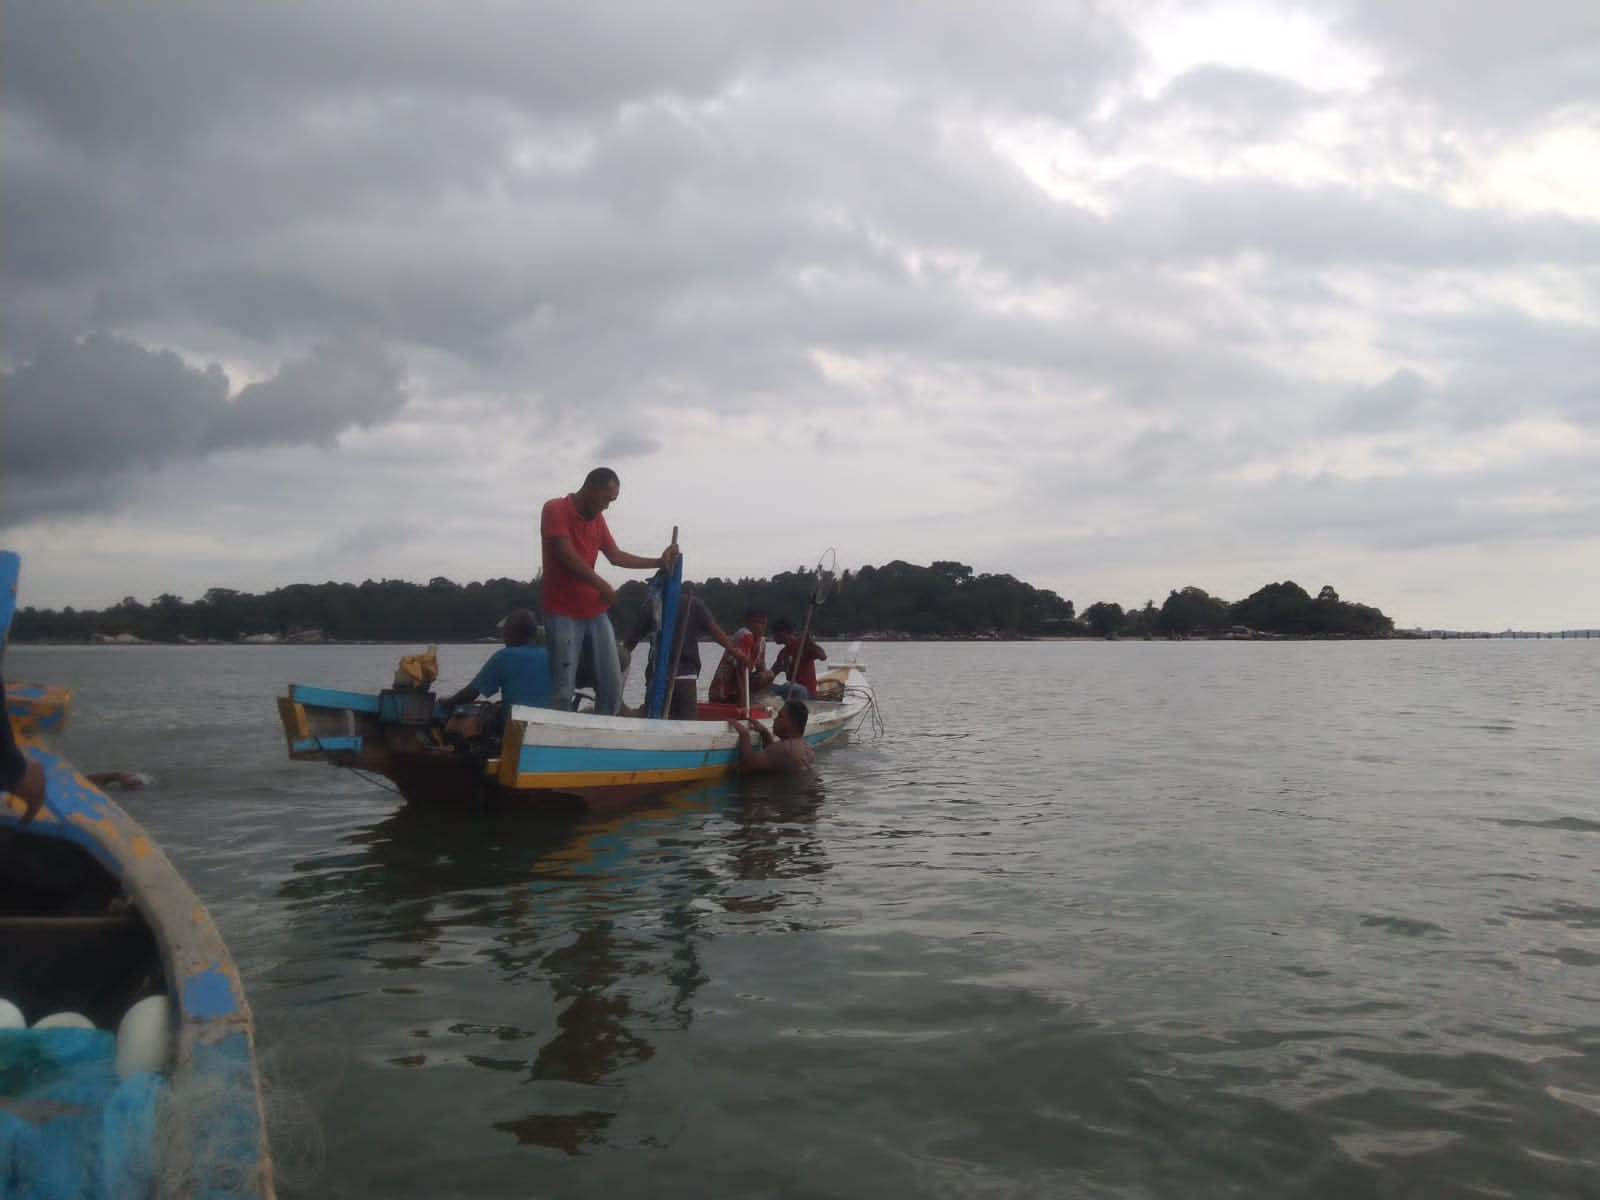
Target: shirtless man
784	750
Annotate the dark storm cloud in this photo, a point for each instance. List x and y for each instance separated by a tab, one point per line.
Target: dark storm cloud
345	386
643	250
635	209
236	144
97	408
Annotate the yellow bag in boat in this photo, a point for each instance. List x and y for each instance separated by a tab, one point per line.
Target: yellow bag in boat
418	670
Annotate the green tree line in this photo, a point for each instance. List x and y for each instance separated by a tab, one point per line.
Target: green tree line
1283	609
944	599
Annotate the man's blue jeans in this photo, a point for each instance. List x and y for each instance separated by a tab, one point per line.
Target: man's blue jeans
564	638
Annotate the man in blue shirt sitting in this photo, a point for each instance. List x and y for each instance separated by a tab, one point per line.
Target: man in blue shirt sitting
519	671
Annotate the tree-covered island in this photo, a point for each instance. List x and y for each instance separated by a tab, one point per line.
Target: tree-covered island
945	600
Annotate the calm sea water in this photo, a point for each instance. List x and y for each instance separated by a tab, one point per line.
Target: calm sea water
1123	920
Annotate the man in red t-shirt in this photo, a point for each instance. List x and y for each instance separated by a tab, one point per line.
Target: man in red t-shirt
802	683
727	685
573	533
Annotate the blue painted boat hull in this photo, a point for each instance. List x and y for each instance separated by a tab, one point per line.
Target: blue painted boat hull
545	758
94	917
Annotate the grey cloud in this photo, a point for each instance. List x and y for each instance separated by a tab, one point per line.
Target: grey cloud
354	384
350	540
563	61
1228	103
1425	509
1549	496
704	252
1515	63
689	205
100	407
1175	219
1392	403
626	444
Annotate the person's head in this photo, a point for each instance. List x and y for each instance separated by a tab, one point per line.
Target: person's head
520	628
783	629
755	620
791	719
600	487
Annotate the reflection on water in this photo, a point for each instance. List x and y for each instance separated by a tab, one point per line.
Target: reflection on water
607	918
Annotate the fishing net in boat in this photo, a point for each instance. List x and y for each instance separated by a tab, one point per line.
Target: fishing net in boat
68	1125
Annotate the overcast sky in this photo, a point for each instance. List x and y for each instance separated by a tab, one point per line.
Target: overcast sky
1115	297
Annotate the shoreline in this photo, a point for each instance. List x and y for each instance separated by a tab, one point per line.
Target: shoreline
870	638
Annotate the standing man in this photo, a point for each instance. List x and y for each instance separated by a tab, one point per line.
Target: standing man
573	533
695	623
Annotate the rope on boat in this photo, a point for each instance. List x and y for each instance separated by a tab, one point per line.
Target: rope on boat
375	780
872	715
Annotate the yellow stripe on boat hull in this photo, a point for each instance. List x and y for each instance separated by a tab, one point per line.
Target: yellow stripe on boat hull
579	781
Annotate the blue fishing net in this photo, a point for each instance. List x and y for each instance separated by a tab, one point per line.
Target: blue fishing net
68	1126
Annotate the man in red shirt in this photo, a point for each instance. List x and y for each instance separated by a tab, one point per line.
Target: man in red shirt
802	683
573	533
727	685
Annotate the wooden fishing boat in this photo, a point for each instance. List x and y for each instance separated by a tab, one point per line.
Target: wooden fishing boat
141	1080
544	756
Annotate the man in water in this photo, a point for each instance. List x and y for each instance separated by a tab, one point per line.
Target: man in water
573	533
695	622
519	670
784	750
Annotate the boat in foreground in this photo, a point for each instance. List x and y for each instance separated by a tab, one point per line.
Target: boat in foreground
127	1064
544	756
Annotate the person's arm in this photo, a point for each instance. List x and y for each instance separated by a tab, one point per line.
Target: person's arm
465	696
751	760
489	680
562	548
760	674
726	642
815	652
618	557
